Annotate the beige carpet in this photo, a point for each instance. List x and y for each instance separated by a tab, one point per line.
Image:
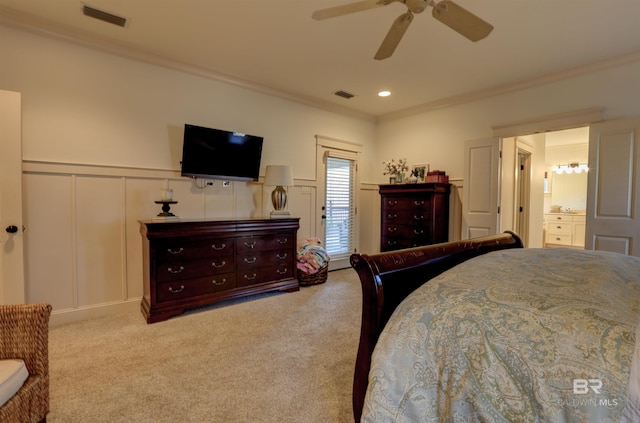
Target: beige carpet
284	357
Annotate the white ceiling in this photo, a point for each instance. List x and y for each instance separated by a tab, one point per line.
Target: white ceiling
275	46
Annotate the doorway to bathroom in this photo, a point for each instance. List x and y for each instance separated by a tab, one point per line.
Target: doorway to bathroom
566	182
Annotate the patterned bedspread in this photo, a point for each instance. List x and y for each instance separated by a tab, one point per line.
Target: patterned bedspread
522	335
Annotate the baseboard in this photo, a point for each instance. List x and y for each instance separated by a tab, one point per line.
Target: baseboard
71	315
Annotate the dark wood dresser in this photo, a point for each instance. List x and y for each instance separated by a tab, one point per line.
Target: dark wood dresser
192	263
413	214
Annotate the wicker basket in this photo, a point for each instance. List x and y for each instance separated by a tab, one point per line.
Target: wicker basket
319	277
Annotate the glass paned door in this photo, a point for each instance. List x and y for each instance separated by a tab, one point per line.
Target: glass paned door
339	207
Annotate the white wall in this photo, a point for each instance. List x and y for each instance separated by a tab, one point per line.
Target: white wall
100	134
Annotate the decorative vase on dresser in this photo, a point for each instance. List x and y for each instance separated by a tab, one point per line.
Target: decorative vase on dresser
413	214
192	263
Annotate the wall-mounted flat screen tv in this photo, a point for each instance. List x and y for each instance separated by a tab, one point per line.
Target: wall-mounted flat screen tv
217	154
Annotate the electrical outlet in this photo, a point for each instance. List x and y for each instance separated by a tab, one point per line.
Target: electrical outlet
226	184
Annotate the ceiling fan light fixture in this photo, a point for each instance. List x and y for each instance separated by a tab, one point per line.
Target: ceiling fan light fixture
416	6
384	93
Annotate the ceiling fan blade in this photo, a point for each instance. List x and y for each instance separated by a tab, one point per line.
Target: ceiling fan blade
461	20
358	6
393	37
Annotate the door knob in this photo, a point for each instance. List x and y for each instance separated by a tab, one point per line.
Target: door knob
12	229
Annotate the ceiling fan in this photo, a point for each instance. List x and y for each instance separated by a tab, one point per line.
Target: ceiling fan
446	11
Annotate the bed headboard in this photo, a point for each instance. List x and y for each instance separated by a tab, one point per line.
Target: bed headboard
387	278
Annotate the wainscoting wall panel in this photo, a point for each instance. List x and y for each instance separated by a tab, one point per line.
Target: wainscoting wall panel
49	240
100	231
83	248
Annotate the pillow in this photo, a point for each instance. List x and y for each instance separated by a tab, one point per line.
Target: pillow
13	373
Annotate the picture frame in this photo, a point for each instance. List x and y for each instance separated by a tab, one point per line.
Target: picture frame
420	171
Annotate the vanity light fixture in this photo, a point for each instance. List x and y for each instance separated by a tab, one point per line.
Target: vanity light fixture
571	168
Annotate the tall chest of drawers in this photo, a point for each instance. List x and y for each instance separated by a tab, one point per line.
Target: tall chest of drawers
190	264
413	214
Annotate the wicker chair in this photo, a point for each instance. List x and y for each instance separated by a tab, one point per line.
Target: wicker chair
24	334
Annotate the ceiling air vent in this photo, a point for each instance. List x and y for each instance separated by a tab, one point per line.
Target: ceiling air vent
344	94
103	16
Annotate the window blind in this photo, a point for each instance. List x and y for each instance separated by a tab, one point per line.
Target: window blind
340	206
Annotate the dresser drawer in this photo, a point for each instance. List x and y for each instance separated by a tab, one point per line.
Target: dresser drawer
187	269
406	216
400	203
559	227
557	217
561	239
177	249
171	291
392	243
255	276
264	242
264	259
405	241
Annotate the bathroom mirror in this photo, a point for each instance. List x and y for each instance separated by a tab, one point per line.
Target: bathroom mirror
569	190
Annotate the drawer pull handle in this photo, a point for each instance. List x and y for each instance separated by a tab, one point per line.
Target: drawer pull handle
171	251
392	216
249	278
559	227
222	282
281	271
221	247
418	203
392	203
391	243
250	260
250	245
175	291
418	231
392	229
218	266
282	241
171	270
558	239
415	217
282	256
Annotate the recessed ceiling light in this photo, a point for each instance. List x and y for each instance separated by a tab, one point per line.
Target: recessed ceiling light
384	93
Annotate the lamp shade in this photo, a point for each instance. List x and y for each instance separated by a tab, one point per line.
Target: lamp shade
278	175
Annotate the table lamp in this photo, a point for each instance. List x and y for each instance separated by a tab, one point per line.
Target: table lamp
279	175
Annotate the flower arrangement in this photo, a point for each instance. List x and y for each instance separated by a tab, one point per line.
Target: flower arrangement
393	167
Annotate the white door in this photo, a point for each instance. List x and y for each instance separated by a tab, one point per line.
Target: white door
481	190
613	197
338	226
11	238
